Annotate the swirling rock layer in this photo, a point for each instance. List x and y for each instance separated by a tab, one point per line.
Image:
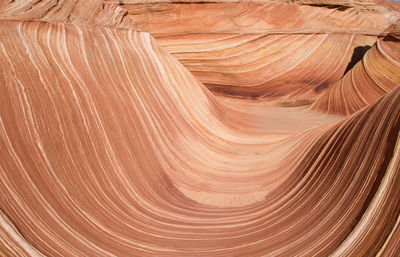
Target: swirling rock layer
89	12
109	146
372	77
258	50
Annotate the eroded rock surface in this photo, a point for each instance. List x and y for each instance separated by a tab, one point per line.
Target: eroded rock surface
251	50
123	136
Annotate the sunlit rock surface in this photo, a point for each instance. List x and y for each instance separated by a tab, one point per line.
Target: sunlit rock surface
372	77
89	12
251	49
159	130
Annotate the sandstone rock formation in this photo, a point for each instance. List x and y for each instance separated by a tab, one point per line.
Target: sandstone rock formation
375	75
251	49
89	12
121	135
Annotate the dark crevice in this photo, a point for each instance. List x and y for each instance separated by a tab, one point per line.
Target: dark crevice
358	54
123	17
330	6
392	38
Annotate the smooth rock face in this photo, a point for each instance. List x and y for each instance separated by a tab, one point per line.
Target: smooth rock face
144	130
